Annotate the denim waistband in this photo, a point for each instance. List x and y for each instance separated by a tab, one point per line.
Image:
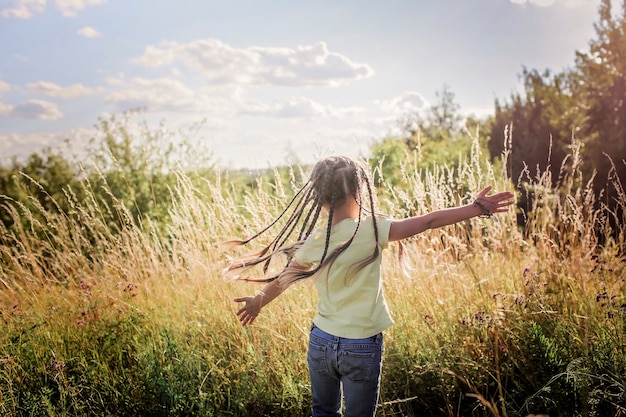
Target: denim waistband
321	334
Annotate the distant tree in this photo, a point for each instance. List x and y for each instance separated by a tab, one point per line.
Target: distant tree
601	75
540	124
133	164
38	183
387	156
582	106
440	136
129	165
443	117
440	122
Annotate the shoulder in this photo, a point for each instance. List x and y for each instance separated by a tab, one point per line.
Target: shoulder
383	221
383	226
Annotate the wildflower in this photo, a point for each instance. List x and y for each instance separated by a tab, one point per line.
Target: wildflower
528	271
131	289
85	287
127	287
83	319
479	316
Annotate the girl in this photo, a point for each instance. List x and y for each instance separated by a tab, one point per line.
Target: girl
346	342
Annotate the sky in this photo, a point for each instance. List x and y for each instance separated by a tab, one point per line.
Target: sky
268	82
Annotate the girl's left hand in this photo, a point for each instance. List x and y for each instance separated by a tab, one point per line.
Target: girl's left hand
249	312
495	203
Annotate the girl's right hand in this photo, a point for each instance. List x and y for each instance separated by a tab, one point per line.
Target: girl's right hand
249	312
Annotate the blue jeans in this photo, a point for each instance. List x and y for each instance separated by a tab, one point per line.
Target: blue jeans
337	363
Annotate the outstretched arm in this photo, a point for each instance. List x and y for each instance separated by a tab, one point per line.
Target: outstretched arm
484	204
253	305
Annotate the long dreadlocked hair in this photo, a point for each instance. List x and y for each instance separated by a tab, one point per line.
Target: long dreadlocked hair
332	180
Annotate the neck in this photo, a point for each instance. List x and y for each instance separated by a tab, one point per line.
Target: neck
349	209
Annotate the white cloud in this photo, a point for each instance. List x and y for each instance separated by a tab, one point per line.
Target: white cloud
89	32
4	87
295	107
409	102
32	109
22	145
117	81
24	9
70	8
54	90
5	109
16	145
218	63
170	94
155	95
72	143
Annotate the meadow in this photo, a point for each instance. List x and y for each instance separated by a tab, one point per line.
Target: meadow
517	316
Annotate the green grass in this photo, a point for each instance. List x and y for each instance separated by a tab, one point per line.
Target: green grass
491	319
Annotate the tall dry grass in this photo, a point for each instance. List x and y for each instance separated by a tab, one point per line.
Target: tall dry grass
491	318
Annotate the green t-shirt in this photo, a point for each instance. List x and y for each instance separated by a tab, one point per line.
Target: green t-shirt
349	306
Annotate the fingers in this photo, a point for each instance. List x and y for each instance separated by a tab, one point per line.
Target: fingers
499	201
485	191
497	197
246	317
504	195
503	206
504	199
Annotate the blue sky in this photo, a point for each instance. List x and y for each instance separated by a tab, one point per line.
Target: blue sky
268	78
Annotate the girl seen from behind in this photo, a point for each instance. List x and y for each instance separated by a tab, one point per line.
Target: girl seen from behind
343	256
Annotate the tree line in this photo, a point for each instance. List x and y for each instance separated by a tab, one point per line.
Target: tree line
585	104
